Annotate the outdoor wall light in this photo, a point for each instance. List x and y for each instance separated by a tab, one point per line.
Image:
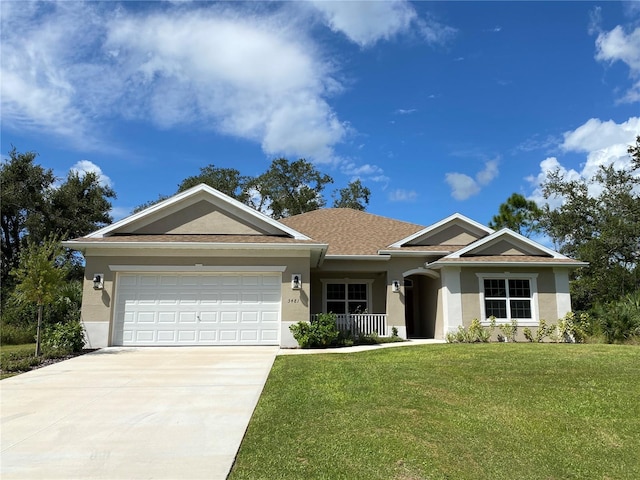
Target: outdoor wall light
98	281
296	281
395	286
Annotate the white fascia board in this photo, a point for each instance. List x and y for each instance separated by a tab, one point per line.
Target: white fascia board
248	211
505	232
437	225
415	253
497	263
77	245
357	257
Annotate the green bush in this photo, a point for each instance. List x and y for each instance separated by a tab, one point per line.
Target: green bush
17	334
618	321
321	332
63	338
476	333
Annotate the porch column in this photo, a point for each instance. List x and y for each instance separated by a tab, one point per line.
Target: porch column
395	304
563	297
451	299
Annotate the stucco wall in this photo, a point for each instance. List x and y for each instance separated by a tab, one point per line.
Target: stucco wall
470	286
97	305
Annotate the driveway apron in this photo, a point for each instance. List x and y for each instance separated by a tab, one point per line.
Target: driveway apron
130	413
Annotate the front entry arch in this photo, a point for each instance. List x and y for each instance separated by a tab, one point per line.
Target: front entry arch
421	305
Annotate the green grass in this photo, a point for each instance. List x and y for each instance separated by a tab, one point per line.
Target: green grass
490	411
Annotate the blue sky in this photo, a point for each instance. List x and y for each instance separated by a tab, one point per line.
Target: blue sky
438	107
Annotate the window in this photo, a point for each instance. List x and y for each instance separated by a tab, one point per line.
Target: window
507	298
346	297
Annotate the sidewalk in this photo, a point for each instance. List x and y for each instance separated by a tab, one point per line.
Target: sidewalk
358	348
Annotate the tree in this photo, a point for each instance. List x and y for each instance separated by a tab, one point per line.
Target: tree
289	188
518	214
601	228
79	206
226	180
23	187
33	208
38	277
354	195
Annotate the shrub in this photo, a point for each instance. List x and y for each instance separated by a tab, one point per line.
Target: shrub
63	338
321	332
619	321
476	333
17	334
509	330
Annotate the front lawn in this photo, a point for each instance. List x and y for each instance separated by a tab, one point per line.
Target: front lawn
487	411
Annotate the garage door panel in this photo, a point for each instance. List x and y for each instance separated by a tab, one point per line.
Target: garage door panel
268	336
144	336
186	336
187	317
149	281
197	309
249	317
167	336
269	317
208	336
229	317
167	317
146	317
209	317
248	335
228	336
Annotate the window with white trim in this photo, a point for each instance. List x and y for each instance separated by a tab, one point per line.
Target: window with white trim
509	297
346	297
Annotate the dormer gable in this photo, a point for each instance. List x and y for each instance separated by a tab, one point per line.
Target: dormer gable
198	211
506	243
455	230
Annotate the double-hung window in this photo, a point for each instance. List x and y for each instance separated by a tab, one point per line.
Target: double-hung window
346	297
509	298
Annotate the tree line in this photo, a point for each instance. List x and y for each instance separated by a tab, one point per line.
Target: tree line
597	221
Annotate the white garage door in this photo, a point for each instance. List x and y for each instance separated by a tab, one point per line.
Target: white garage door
197	309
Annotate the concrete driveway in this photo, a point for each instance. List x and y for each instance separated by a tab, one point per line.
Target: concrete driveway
129	413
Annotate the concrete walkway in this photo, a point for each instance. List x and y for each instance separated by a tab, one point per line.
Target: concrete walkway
129	413
359	348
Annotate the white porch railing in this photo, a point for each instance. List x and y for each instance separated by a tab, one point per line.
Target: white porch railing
361	323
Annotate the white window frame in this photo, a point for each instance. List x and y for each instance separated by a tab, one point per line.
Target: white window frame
533	285
345	281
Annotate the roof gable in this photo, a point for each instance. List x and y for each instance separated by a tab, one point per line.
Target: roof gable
506	243
455	230
199	210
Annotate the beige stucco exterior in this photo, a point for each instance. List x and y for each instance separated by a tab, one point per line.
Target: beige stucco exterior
98	305
439	273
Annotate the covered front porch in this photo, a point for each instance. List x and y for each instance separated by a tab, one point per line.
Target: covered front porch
359	324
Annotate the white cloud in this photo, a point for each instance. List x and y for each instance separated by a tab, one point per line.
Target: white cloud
366	169
463	186
368	22
604	143
486	176
405	111
402	195
365	23
617	45
68	66
85	166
